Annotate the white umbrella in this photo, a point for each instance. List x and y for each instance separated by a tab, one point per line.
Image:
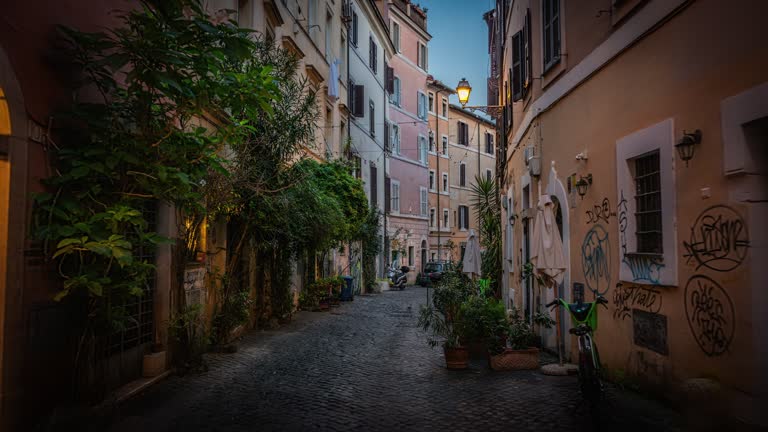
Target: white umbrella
547	249
472	255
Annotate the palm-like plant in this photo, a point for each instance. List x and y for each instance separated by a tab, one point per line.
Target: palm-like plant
485	201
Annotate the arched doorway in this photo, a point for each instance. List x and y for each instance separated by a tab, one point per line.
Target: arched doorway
556	191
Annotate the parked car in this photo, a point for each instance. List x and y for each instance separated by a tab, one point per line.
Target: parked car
435	269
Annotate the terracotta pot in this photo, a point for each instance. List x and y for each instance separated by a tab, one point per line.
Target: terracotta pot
456	358
324	305
511	359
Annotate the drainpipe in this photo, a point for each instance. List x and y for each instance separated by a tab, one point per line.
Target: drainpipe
438	211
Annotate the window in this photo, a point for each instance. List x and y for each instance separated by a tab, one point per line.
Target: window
445	219
410	256
395	194
431	142
356	99
488	174
421	105
445	182
488	143
422	147
431	218
462	174
395	98
647	236
433	256
551	32
395	138
445	145
423	201
432	180
396	36
463	217
463	133
647	178
354	29
374	186
373	53
445	107
328	34
372	117
311	13
421	55
521	60
431	103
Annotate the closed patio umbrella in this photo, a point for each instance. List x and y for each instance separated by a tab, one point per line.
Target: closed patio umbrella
547	248
471	264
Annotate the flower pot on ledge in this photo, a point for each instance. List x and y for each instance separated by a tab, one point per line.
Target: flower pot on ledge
511	359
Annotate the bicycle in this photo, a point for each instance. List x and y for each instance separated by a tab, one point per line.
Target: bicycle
584	318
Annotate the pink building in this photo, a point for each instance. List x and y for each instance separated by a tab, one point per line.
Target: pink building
407	164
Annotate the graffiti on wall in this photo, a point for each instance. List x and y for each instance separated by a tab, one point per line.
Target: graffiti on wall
600	213
719	240
710	314
645	268
650	330
626	298
596	259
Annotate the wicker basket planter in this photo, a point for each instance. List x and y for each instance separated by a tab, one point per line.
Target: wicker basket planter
456	358
516	359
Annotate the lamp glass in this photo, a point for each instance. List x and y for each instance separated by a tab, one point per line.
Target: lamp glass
463	90
581	187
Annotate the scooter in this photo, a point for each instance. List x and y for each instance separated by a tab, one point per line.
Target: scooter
399	278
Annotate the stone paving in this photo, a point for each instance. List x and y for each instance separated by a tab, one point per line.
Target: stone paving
366	366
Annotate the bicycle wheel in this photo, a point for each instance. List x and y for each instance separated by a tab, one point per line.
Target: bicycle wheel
589	381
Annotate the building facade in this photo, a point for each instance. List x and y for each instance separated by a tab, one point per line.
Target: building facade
407	164
595	105
471	152
438	180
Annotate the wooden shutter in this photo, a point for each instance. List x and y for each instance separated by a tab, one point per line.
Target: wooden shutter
462	175
390	77
387	146
387	194
527	59
358	109
517	66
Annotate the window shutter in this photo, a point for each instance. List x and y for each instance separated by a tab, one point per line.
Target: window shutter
374	187
375	66
387	194
359	101
517	67
390	77
463	175
527	70
387	144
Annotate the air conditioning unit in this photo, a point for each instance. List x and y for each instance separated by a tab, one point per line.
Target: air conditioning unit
529	153
346	11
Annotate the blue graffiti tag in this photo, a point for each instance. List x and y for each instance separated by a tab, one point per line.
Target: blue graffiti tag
645	268
596	259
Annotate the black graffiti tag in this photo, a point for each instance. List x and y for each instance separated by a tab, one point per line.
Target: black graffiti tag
710	314
719	240
596	259
622	210
626	298
600	212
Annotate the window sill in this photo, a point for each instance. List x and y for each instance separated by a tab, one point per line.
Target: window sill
658	256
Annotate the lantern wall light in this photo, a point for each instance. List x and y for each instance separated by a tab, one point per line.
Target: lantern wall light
463	90
687	145
583	184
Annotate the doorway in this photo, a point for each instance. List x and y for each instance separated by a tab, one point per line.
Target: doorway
423	255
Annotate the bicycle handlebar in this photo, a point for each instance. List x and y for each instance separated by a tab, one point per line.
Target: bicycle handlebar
554	302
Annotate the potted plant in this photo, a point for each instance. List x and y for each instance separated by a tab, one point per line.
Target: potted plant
515	350
483	320
442	330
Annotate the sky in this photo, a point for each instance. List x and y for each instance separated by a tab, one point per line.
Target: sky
459	45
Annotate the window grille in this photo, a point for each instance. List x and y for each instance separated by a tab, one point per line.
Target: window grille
648	203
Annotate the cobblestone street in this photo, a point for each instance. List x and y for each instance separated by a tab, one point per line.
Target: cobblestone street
365	366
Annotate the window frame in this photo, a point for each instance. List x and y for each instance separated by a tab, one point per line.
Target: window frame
431	102
488	174
421	55
355	29
421	145
432	180
397	93
446	185
444	140
637	267
445	107
551	32
394	197
432	217
395	139
446	219
643	224
396	35
489	143
462	174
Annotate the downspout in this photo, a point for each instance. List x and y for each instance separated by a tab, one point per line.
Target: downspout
438	212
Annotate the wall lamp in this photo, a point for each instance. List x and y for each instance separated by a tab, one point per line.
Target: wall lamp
687	144
583	184
512	218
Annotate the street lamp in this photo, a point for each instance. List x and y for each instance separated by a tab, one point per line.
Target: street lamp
685	147
463	90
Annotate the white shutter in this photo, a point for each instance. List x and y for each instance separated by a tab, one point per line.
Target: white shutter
423	196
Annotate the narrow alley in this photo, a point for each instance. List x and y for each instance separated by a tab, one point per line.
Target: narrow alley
366	366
